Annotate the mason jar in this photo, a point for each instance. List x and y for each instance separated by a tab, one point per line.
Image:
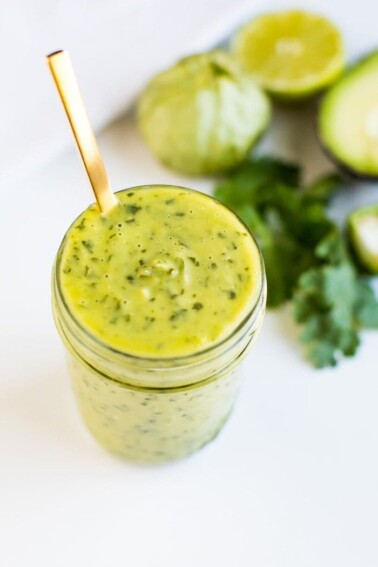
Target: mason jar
152	410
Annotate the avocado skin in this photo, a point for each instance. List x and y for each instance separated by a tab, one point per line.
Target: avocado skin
344	168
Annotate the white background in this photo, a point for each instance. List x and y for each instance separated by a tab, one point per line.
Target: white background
292	479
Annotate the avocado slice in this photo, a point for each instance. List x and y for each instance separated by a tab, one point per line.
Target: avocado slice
348	119
363	236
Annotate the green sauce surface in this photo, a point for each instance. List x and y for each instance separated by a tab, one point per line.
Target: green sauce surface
167	272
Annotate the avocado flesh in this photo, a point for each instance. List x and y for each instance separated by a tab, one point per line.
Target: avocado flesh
348	119
363	235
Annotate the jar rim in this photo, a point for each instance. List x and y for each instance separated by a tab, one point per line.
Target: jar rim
191	357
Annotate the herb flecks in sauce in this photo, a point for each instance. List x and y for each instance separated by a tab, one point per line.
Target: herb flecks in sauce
130	276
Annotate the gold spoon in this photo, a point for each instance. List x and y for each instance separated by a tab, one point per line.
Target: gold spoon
68	89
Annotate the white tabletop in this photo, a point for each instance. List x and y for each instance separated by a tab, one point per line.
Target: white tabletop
290	482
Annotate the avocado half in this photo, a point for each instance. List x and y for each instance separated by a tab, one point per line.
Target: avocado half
348	119
363	236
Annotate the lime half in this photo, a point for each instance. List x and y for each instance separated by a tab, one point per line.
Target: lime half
292	54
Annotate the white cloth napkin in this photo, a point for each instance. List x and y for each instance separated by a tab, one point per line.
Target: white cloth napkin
115	46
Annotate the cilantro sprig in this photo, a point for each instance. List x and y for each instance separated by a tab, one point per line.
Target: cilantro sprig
305	256
333	303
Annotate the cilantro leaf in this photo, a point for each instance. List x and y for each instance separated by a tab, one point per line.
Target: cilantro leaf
287	221
332	304
367	305
250	181
323	189
306	258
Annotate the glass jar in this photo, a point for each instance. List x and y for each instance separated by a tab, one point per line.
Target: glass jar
154	409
